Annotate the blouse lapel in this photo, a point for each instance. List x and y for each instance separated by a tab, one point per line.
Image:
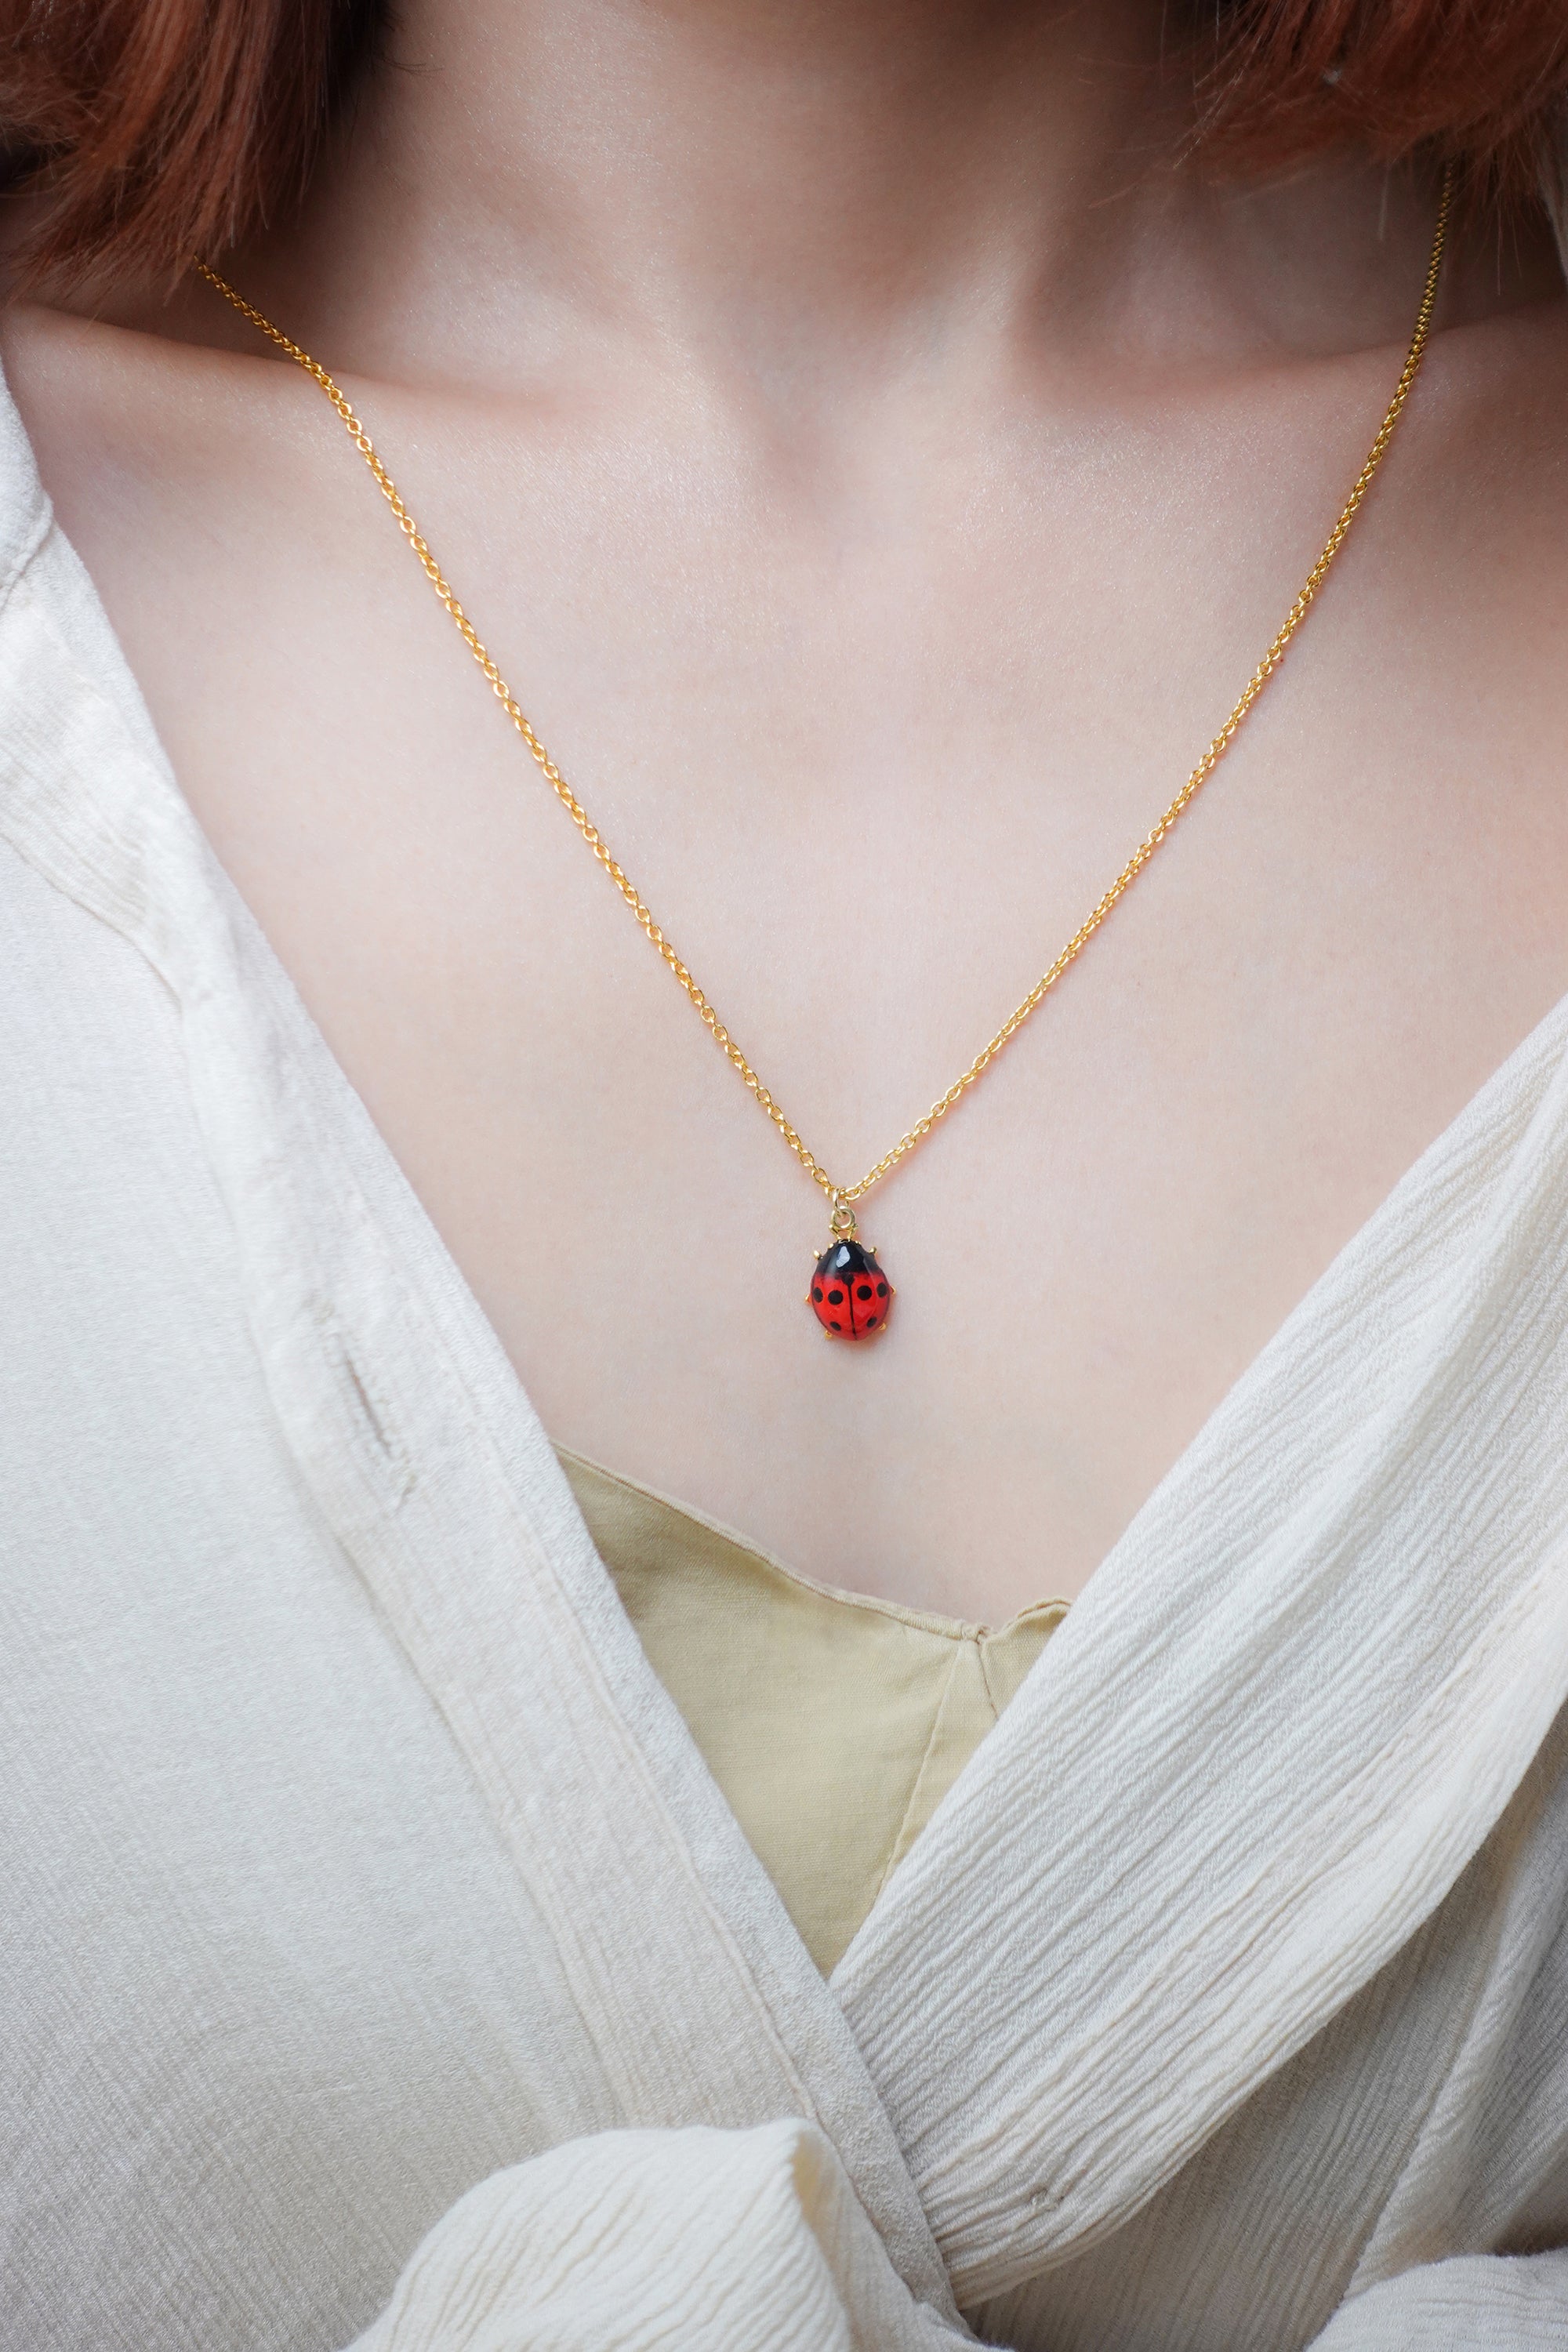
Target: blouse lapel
1284	1713
427	1464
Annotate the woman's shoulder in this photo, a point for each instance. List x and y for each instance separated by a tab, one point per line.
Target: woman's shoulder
118	413
1491	448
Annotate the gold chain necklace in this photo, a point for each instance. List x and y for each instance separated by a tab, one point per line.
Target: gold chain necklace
849	1294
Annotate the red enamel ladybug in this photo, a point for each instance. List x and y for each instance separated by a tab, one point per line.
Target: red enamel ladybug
850	1295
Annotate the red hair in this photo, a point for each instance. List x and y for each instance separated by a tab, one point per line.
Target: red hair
150	130
1479	82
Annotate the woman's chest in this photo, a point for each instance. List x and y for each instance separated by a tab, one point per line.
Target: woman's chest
869	788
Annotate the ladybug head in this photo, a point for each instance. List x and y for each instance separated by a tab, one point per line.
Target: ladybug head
842	1259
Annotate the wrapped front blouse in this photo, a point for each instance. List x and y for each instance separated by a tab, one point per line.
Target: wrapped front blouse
380	1959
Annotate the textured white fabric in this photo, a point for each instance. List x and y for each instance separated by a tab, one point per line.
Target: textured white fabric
571	2252
369	1913
1521	2303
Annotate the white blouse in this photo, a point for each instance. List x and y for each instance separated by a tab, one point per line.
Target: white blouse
376	1952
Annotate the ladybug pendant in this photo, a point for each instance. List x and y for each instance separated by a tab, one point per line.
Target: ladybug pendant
850	1295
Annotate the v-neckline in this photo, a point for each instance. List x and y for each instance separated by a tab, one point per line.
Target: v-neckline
353	1265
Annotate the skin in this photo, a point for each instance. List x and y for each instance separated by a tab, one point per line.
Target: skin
878	470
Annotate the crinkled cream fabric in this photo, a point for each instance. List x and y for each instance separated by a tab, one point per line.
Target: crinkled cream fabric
378	1954
833	1724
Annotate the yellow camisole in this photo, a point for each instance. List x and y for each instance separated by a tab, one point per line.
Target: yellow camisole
833	1724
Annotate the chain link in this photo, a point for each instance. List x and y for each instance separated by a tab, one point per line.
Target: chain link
842	1195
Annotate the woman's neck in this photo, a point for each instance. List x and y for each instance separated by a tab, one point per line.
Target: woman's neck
799	196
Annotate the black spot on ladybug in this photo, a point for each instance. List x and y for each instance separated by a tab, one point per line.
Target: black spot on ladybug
836	1325
870	1322
816	1295
836	1299
881	1290
862	1290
